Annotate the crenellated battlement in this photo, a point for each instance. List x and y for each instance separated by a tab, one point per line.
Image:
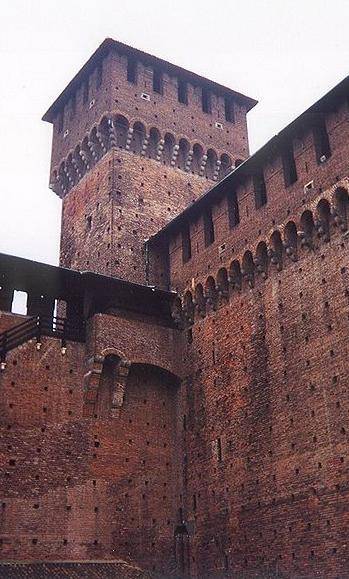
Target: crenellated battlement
324	220
116	131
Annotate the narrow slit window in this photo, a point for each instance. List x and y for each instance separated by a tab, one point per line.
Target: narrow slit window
289	165
99	75
60	122
233	210
321	140
219	450
186	244
131	70
206	101
260	190
229	110
208	227
157	81
86	91
183	92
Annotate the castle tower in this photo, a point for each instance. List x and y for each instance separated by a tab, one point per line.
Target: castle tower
135	141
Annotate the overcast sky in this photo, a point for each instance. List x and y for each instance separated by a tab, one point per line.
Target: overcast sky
284	53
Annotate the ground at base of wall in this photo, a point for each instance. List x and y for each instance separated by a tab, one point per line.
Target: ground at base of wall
71	570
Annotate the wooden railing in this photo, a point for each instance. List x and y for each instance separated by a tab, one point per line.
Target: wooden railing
37	326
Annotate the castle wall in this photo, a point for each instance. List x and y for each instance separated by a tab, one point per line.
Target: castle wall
218	450
265	412
138	341
264	404
284	205
90	479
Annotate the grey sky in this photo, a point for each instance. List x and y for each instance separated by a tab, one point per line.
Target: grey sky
284	53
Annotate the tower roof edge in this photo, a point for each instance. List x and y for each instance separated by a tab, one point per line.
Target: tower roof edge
110	44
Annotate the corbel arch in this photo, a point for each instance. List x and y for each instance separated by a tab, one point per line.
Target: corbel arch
105	382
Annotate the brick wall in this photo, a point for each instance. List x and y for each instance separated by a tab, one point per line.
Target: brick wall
78	485
268	385
257	225
127	200
117	190
163	111
263	408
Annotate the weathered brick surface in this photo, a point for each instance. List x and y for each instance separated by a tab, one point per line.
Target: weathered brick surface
162	111
128	199
265	402
76	570
133	340
284	205
219	448
276	396
79	485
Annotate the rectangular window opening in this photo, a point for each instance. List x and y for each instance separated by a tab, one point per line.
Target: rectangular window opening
19	303
289	165
206	101
260	190
131	70
233	210
186	244
229	109
183	92
208	227
157	81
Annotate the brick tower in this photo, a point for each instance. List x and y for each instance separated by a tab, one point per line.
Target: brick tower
135	141
195	433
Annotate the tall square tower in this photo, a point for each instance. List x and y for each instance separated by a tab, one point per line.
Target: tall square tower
135	141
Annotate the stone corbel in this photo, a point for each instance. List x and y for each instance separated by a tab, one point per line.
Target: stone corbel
144	146
92	383
85	159
160	149
188	161
174	155
101	142
118	393
129	139
203	165
217	169
76	167
112	133
68	175
92	148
